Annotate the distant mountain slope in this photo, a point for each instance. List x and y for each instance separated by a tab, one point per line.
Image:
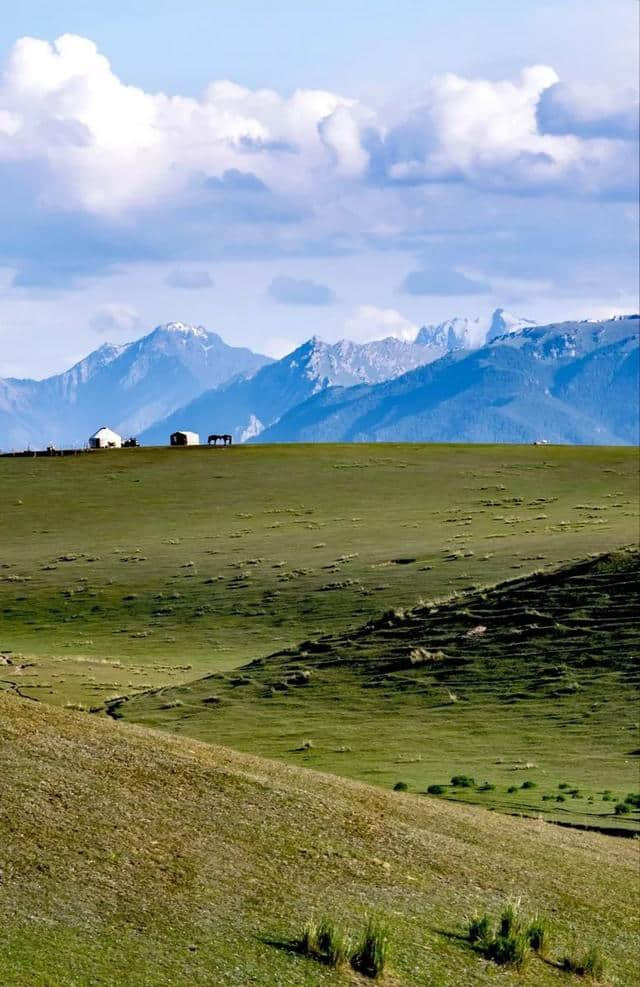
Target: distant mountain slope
127	387
245	407
573	382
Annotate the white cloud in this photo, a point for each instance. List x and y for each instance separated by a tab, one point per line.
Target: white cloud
487	133
107	147
110	146
117	318
370	322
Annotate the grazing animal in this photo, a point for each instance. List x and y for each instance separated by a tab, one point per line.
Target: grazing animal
225	439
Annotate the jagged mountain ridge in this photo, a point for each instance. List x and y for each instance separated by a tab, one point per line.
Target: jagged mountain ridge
244	407
572	382
128	386
466	333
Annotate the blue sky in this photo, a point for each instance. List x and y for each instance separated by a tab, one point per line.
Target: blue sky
274	170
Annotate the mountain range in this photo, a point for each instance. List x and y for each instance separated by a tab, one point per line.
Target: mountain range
570	382
504	379
127	387
247	405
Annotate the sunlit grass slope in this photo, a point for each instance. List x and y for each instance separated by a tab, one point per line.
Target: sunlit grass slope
127	569
130	858
529	688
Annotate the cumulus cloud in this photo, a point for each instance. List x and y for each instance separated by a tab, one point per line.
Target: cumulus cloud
108	147
290	291
369	322
116	318
189	280
103	173
488	134
434	281
588	112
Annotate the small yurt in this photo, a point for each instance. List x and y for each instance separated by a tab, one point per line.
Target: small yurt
105	438
182	438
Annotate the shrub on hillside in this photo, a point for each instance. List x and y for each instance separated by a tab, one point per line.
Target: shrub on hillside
436	790
462	781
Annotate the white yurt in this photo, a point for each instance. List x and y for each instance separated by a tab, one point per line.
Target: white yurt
105	438
183	438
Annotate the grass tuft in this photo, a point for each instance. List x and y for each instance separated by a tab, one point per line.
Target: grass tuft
480	929
538	934
588	964
372	952
509	950
510	919
324	941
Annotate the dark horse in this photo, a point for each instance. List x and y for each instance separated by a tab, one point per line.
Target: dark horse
226	439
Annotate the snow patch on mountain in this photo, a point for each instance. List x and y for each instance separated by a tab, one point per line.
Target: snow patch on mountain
469	334
253	428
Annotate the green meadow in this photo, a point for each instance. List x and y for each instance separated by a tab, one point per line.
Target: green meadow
126	570
130	857
421	662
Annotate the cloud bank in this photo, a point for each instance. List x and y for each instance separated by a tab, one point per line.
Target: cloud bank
104	174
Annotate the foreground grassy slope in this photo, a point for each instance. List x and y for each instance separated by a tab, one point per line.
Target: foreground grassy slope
132	858
532	683
130	569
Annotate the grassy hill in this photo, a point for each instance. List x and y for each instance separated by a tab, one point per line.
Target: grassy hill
530	688
129	858
126	570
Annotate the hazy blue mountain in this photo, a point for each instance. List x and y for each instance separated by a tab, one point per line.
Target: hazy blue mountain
574	382
127	387
244	407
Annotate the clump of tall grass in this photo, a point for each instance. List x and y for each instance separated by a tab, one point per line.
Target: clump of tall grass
509	950
480	929
538	934
507	945
324	941
510	918
588	964
372	952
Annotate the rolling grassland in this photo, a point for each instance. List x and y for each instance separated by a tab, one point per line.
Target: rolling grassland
126	570
129	857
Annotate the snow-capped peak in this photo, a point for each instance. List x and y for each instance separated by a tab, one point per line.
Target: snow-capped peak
457	333
503	323
182	327
466	333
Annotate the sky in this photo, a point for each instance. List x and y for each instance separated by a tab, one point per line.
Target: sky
275	170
